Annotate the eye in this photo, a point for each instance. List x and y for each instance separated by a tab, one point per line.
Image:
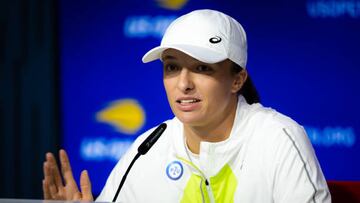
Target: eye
204	69
170	68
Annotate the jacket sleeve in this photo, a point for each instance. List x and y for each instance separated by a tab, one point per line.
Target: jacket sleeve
297	173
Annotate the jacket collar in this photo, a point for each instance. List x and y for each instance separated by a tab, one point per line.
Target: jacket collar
214	155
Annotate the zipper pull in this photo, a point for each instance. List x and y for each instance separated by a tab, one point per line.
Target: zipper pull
206	182
210	194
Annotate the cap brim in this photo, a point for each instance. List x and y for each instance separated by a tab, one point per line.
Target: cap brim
200	53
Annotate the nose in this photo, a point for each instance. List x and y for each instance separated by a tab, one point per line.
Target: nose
185	82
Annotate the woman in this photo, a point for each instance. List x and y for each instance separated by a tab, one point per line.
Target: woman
221	146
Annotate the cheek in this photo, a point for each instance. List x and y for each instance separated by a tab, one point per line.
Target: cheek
218	90
168	87
166	84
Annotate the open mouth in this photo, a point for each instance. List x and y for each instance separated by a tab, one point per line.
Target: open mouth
187	101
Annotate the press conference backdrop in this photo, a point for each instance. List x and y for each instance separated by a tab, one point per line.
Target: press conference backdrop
304	58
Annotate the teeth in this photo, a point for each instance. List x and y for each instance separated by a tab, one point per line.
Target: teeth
188	101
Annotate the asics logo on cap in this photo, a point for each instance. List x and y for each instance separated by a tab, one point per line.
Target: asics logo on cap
215	39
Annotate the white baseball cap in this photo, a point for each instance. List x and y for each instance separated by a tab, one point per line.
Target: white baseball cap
206	35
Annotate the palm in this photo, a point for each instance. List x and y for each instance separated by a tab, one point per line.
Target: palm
69	192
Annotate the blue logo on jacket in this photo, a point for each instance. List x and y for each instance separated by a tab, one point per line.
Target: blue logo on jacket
174	170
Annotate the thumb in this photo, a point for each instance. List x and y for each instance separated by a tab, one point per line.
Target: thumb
85	186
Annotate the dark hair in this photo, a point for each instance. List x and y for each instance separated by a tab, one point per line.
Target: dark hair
248	90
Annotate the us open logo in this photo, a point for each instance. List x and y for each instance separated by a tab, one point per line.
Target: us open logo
174	170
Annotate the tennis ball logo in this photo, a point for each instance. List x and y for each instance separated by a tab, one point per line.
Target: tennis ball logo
126	116
172	4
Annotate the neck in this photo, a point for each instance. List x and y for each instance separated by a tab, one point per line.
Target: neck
216	131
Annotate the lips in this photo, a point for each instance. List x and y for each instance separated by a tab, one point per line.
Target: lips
187	101
188	104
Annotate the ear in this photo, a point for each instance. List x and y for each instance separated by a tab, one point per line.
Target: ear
239	80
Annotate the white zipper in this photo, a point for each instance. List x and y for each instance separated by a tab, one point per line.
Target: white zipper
201	191
209	191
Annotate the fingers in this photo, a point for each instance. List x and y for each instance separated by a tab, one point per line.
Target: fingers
53	187
66	168
46	190
50	189
85	186
53	170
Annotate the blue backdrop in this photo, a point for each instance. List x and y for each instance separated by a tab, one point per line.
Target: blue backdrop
303	57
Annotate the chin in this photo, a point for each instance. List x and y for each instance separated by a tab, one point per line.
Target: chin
189	119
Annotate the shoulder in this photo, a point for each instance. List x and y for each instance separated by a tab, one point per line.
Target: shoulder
260	120
126	159
269	117
274	131
285	129
268	121
288	156
165	142
172	126
256	117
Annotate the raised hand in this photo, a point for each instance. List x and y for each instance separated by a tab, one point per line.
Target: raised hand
62	186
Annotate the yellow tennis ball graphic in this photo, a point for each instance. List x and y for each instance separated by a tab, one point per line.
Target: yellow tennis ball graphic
126	116
172	4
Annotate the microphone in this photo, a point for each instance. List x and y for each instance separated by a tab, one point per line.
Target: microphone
142	149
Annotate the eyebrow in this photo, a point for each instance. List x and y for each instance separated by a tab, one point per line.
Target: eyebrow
168	57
